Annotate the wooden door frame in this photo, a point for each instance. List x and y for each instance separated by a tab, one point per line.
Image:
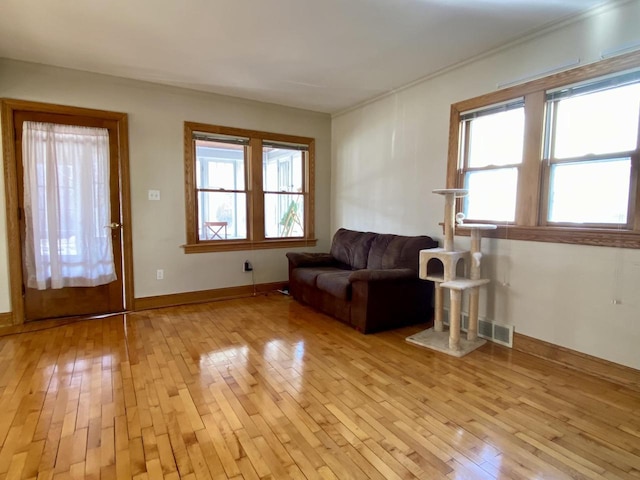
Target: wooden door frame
9	106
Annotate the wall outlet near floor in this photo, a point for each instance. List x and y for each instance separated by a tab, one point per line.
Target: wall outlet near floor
154	194
247	267
159	274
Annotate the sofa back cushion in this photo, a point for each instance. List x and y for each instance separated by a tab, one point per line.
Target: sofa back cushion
352	248
396	251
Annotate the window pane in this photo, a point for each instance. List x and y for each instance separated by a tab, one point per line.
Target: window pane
598	123
492	194
496	139
590	192
219	165
283	215
282	170
222	215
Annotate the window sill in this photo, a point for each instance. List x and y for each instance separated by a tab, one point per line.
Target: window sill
237	245
599	237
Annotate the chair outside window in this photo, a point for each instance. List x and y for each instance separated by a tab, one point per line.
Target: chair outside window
215	230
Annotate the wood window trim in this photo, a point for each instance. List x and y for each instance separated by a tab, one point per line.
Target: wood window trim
527	225
237	245
255	200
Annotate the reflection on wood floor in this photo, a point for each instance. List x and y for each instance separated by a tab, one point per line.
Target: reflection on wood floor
266	388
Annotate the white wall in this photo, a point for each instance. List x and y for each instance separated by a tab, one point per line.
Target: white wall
156	116
389	154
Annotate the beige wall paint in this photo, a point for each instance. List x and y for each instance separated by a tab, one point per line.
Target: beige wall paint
156	116
388	155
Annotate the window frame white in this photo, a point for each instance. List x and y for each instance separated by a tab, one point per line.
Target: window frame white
550	159
210	189
466	134
304	156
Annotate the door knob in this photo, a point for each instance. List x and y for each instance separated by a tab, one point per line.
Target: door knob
113	225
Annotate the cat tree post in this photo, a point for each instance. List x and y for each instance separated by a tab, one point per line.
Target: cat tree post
474	273
438	324
455	301
449	216
474	294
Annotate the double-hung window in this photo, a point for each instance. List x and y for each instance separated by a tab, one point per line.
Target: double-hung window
556	159
492	154
283	187
247	189
221	186
591	138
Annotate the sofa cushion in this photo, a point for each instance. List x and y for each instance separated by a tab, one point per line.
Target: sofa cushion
397	251
307	276
352	248
311	259
335	283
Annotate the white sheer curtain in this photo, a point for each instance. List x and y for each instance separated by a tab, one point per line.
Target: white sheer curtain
66	203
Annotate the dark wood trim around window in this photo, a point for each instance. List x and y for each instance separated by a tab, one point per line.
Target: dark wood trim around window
528	223
255	200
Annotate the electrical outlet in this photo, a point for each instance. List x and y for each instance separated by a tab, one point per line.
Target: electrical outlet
160	274
154	194
246	266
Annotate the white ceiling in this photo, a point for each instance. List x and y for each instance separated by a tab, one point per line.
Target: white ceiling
322	55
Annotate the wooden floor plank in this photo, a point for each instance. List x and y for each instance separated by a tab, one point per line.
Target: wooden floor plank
266	388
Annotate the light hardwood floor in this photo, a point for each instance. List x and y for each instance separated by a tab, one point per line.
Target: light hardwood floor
266	388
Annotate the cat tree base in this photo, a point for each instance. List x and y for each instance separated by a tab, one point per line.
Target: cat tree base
439	341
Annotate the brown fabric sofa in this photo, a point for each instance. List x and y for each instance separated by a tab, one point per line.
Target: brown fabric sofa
368	280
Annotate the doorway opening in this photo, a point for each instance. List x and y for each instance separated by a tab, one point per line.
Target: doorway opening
67	193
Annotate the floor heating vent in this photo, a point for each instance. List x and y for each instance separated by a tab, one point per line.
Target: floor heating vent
496	332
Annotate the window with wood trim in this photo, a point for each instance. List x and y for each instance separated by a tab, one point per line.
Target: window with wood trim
283	188
555	159
492	140
591	138
247	189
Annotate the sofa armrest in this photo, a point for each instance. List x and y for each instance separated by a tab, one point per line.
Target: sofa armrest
382	275
389	298
307	259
